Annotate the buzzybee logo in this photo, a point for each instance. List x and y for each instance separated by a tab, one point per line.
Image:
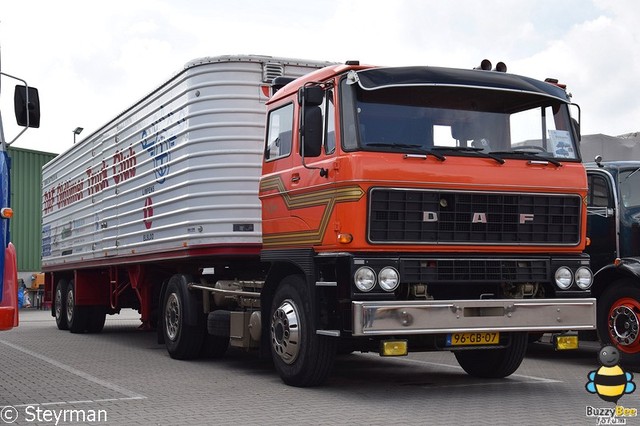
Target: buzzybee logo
610	382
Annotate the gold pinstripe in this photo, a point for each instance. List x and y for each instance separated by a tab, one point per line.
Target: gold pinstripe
326	197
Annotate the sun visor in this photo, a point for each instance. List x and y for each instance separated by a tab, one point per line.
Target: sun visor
387	77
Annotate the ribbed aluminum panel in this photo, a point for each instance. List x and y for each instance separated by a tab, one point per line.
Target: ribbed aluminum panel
180	169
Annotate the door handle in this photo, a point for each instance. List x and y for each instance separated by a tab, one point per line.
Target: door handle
295	178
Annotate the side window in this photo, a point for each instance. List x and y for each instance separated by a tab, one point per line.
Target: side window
279	132
598	192
329	124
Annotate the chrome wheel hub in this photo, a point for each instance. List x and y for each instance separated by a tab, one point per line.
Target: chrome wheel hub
172	317
285	332
623	325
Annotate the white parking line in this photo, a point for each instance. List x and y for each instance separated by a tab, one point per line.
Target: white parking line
129	394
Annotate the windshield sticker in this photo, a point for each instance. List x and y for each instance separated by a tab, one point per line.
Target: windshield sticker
561	144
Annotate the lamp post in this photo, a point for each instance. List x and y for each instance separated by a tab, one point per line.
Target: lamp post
76	132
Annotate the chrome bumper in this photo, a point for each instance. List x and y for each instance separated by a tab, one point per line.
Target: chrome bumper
456	316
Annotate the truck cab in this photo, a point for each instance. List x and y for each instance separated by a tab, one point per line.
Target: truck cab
422	207
613	227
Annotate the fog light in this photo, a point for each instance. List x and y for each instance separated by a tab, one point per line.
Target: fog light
393	348
564	277
389	279
364	278
584	277
564	342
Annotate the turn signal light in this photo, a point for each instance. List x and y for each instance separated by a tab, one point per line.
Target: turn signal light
588	241
6	212
345	238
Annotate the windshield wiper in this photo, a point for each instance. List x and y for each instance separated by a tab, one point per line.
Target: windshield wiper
631	174
529	155
412	147
476	150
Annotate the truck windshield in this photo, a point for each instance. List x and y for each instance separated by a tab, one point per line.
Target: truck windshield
457	121
629	184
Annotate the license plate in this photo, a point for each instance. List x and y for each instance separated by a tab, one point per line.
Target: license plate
466	339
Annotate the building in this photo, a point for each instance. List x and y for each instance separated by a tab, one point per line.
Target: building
26	201
623	147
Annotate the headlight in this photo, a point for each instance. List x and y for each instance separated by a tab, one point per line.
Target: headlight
564	277
584	277
365	278
389	279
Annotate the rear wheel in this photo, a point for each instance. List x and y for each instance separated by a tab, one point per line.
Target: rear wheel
96	317
182	340
60	305
76	315
494	363
618	319
301	357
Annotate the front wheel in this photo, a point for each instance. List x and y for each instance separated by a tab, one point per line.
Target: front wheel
494	363
301	357
618	319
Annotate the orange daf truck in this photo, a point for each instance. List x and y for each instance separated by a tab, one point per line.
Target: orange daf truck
385	209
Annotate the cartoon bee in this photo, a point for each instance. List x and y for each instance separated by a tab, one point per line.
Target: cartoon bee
610	381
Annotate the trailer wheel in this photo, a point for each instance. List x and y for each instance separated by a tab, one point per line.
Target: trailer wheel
60	305
494	363
76	315
618	319
301	357
182	340
96	317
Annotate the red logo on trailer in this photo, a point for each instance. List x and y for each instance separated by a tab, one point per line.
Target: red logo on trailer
147	212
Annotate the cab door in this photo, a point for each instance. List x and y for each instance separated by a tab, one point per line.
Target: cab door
602	219
297	193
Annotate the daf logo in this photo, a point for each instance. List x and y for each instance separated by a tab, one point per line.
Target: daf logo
478	217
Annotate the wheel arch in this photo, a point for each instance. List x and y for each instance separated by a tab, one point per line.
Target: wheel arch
612	273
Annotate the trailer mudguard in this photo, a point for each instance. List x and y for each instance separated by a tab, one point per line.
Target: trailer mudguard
9	303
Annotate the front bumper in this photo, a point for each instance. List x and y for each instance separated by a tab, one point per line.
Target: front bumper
457	316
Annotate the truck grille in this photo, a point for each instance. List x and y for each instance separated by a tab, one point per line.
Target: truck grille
404	216
474	270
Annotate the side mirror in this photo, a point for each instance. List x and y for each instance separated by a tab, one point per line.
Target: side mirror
575	112
576	127
312	131
27	113
312	95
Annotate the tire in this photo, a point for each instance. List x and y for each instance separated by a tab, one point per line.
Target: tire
76	315
301	357
182	341
96	317
60	305
618	319
214	347
494	363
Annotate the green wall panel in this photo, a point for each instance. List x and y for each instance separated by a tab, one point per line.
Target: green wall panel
26	201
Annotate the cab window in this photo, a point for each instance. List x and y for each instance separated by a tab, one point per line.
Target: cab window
598	191
279	132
